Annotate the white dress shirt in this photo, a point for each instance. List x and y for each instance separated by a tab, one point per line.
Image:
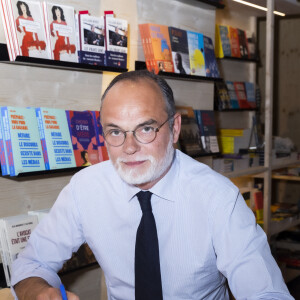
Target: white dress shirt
206	234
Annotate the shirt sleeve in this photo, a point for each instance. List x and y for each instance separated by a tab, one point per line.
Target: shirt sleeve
52	242
243	253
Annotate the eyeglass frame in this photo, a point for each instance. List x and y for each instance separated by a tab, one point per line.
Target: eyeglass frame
156	130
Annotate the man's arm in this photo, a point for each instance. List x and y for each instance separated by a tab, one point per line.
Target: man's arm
37	288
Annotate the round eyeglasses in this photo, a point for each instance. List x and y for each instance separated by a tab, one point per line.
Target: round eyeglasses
144	134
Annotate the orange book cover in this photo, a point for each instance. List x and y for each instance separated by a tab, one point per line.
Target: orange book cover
234	42
144	40
160	46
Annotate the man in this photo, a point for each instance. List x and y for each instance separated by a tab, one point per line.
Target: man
92	36
206	233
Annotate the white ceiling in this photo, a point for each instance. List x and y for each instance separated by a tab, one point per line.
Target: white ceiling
289	7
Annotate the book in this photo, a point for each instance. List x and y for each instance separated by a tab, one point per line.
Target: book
116	42
60	31
144	40
222	41
55	138
232	95
24	29
211	66
3	151
159	47
207	126
196	53
180	50
221	96
250	93
243	42
234	42
14	234
251	45
241	94
102	151
22	139
189	138
259	204
91	40
83	135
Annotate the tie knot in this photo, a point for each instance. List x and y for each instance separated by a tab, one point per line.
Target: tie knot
145	201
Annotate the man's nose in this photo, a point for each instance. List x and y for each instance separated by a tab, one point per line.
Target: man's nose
131	145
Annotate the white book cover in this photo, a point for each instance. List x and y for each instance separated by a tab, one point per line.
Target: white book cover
92	33
60	26
116	35
28	29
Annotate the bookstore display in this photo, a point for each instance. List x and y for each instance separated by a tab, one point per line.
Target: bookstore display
36	139
48	31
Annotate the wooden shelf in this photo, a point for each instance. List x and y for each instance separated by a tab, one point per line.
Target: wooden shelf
286	177
246	172
56	64
278	226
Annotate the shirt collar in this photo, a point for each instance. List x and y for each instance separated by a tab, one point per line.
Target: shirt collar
165	188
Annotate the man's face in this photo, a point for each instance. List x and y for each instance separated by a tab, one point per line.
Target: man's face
126	106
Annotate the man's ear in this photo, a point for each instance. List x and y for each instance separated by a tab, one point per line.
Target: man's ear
176	127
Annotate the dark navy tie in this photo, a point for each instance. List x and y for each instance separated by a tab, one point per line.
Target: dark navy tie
147	267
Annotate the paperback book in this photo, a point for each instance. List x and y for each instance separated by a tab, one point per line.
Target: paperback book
190	138
250	93
196	53
234	42
222	43
116	42
55	138
91	40
22	140
244	50
207	126
180	50
221	96
60	31
3	151
241	94
159	47
83	135
24	29
211	66
232	95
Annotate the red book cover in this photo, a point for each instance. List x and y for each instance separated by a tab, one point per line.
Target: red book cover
241	94
234	42
83	134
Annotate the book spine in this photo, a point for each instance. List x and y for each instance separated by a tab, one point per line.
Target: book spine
3	154
39	119
7	138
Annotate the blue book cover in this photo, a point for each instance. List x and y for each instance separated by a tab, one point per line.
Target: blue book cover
207	126
3	151
211	66
250	93
102	151
232	94
196	53
55	138
23	142
180	50
225	40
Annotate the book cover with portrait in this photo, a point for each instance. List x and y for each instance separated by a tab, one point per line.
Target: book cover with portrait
180	50
61	32
27	29
159	47
83	135
91	40
116	42
55	138
22	140
196	52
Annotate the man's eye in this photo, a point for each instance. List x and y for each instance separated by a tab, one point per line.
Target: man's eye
115	133
147	129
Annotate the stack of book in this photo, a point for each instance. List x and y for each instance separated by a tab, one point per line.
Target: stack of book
170	49
53	31
235	95
37	139
234	42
